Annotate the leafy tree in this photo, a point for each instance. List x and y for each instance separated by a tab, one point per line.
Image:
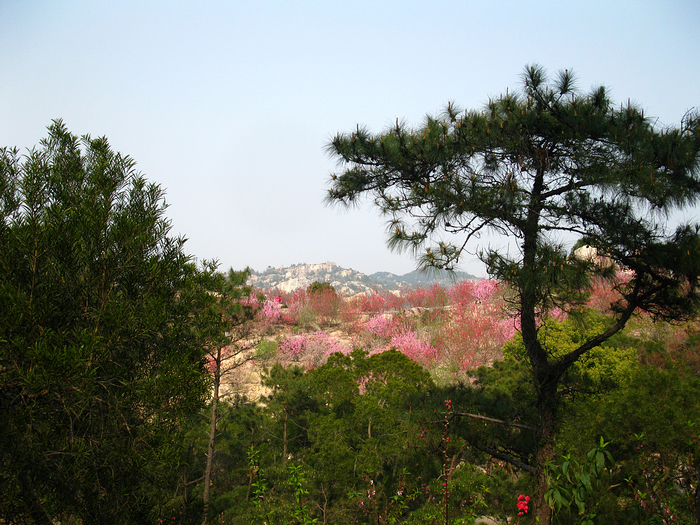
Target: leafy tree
504	392
539	167
317	287
101	335
350	424
231	345
365	427
289	404
599	370
323	301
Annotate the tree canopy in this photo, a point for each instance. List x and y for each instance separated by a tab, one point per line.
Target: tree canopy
101	336
541	166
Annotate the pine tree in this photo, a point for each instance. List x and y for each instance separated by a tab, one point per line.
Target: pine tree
539	167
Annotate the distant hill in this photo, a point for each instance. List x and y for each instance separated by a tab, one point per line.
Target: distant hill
347	281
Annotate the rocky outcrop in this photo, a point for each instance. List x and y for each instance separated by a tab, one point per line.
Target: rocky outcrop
346	281
590	254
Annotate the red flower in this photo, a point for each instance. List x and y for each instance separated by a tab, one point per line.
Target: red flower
523	501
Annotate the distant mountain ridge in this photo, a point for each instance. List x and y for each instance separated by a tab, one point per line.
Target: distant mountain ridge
348	281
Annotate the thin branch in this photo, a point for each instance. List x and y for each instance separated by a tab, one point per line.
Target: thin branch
492	420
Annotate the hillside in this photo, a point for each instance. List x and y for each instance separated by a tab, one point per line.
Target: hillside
347	281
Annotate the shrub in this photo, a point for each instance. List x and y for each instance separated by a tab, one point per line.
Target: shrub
474	336
293	347
467	292
311	349
270	314
320	307
318	287
377	302
426	297
413	346
266	350
382	325
272	310
325	304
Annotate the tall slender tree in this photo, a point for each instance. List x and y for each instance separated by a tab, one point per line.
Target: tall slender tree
101	336
230	346
540	167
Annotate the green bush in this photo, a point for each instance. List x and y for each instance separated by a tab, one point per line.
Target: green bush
266	350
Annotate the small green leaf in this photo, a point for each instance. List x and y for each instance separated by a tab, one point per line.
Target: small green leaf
599	462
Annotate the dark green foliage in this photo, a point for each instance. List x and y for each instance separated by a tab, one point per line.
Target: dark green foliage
350	425
101	340
369	434
505	392
375	440
318	287
230	343
651	422
363	426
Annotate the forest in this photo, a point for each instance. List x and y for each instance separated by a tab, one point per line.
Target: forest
419	408
140	385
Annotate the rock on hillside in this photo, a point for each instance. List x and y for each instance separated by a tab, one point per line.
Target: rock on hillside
346	281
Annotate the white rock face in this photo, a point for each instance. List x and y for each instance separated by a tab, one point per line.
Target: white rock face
345	281
589	253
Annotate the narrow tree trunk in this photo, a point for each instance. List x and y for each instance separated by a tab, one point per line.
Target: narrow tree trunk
543	513
284	437
212	437
545	449
697	494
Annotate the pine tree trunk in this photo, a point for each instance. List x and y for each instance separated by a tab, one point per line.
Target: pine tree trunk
545	449
543	512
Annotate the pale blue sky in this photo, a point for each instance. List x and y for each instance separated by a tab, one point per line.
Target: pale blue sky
228	104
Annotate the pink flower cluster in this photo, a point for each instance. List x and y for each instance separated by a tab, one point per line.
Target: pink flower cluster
466	292
377	302
381	325
412	346
426	297
272	310
484	289
474	336
462	326
312	348
294	346
523	501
